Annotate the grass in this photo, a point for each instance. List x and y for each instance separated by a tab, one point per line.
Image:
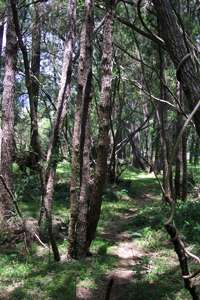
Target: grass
156	273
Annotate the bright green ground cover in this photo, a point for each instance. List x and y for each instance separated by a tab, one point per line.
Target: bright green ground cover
156	274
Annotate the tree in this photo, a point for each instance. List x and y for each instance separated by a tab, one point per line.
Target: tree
7	123
31	78
181	51
104	126
62	102
79	178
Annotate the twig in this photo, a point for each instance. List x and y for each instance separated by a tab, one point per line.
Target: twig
192	255
191	275
39	240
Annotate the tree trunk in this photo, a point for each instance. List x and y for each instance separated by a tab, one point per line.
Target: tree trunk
1	40
179	248
104	122
81	117
192	146
178	172
196	151
64	93
177	45
180	180
82	221
179	155
162	118
180	52
35	147
31	78
184	166
7	124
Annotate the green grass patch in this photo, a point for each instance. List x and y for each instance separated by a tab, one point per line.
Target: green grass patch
133	207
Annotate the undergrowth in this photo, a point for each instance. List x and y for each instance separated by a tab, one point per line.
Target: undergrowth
156	274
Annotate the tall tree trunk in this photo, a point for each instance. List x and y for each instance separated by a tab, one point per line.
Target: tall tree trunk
179	165
184	166
81	117
7	124
162	116
180	180
196	151
137	156
104	122
31	77
178	47
180	52
82	220
192	146
179	155
63	96
35	147
1	40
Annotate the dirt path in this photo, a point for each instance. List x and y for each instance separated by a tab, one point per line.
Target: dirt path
128	254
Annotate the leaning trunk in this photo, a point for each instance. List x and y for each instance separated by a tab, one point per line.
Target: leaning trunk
62	101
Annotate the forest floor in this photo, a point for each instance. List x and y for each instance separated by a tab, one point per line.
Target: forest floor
131	248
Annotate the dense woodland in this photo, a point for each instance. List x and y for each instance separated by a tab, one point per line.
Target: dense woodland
99	149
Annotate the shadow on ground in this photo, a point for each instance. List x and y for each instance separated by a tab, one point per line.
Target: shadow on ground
127	249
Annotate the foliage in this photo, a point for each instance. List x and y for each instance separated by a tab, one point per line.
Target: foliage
156	274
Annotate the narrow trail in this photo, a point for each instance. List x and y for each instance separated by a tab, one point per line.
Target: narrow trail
146	265
128	254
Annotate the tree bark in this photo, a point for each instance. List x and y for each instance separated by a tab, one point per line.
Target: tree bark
181	54
7	124
179	155
31	78
104	124
184	166
178	163
179	49
35	147
62	101
1	40
82	220
81	117
196	151
162	118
